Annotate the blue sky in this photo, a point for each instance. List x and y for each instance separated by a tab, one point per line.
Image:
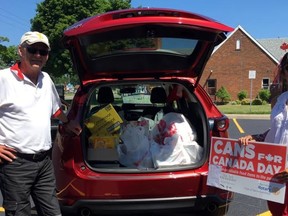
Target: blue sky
260	18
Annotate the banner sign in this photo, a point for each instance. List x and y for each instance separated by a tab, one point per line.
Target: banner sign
247	169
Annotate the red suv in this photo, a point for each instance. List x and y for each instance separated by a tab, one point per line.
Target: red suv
147	122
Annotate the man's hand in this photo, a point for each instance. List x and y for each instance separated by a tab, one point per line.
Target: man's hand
73	126
7	154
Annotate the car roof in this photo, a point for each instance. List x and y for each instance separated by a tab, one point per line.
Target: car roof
143	42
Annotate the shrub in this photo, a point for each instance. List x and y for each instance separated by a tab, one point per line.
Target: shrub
264	95
223	94
257	101
236	102
245	102
242	95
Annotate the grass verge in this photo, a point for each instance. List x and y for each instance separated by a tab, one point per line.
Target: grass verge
245	109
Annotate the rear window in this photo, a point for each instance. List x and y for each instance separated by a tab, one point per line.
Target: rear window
138	51
176	46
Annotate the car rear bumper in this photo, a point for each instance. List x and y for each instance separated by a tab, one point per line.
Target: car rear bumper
125	206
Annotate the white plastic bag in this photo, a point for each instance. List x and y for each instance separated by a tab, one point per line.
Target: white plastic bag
135	149
173	142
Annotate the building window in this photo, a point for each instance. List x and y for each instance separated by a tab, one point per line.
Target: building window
212	86
238	45
265	83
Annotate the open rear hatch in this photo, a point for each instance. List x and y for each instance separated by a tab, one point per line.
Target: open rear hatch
143	43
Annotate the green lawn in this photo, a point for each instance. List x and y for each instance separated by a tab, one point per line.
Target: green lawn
245	109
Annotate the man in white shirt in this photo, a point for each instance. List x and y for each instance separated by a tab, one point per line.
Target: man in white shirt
28	100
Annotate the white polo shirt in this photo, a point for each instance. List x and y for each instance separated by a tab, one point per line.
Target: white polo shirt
26	110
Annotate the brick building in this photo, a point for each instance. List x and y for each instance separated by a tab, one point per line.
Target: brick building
237	61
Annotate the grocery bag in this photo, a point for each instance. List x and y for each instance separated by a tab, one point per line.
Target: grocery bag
173	142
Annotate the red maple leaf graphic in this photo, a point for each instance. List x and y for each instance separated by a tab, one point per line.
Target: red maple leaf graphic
284	46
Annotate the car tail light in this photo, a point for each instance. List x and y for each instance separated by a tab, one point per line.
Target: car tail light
219	124
222	124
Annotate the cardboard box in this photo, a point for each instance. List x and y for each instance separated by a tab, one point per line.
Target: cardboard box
104	126
104	142
102	154
103	148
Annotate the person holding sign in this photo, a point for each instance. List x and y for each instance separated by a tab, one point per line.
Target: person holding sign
278	132
279	86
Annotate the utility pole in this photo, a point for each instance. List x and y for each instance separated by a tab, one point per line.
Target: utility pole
252	75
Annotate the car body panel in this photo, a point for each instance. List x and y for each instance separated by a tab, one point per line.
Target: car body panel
152	15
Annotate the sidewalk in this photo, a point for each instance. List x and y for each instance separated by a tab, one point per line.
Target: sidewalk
248	116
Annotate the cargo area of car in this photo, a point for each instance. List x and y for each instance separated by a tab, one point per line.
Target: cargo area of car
140	126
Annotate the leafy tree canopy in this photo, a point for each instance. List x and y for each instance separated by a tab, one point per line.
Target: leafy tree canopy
3	39
54	16
8	55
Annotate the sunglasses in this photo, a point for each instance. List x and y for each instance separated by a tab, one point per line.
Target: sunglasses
33	51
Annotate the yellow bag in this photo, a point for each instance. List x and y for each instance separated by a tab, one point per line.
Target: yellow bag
105	122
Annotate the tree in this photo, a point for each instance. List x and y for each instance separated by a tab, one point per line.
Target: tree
3	39
223	94
8	55
54	16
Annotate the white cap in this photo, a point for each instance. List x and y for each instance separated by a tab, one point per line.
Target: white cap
35	37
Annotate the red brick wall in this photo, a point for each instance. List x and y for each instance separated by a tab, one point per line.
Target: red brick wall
231	67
